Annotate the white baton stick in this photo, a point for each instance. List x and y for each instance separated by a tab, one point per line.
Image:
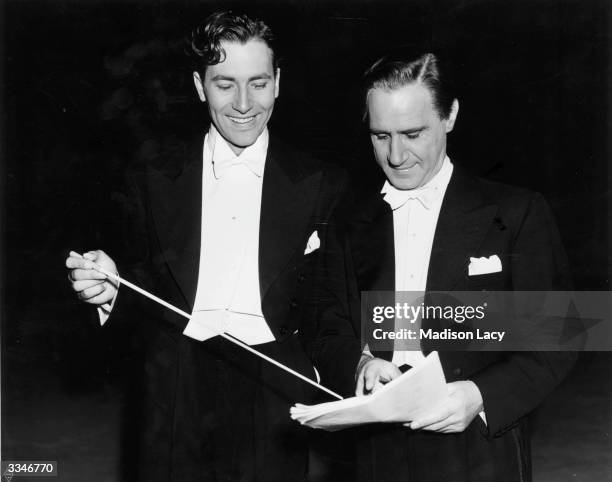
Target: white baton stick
230	338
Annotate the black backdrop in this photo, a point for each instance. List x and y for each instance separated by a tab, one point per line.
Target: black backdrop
91	86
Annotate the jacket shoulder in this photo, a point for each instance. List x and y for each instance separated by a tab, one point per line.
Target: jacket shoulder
510	198
502	193
302	164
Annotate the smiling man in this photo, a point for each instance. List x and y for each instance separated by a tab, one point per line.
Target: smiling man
240	91
419	234
408	134
231	232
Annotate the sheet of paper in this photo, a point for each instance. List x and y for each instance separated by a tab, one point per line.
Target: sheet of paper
401	400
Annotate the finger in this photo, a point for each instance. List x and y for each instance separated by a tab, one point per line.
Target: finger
97	255
431	418
377	386
102	298
371	377
92	292
85	284
383	377
73	262
454	428
439	426
394	372
389	374
434	427
359	388
86	274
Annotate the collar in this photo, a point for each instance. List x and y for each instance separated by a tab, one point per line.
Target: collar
427	195
223	158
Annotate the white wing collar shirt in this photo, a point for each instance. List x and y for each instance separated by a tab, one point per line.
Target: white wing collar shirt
228	297
415	216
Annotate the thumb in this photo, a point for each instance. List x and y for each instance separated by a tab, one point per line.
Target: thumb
91	255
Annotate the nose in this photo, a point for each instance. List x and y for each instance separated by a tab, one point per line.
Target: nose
396	152
242	101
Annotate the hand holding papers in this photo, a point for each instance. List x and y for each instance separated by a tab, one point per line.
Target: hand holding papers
401	400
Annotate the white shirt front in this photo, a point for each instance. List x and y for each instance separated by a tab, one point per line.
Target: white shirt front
415	216
228	296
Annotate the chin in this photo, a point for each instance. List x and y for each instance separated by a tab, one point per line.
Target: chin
245	139
241	141
404	184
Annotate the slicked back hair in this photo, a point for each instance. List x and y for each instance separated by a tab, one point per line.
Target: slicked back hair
205	42
391	72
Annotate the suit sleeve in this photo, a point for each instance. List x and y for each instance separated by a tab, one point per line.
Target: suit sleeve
517	384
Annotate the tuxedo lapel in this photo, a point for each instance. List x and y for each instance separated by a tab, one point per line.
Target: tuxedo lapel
288	200
176	200
464	220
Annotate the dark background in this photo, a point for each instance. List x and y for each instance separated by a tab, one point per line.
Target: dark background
90	87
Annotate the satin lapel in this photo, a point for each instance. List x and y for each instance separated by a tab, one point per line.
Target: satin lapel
288	201
464	220
176	200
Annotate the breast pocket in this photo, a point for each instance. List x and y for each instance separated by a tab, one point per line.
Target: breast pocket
490	281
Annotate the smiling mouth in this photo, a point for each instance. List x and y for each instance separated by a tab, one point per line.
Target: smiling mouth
406	168
242	120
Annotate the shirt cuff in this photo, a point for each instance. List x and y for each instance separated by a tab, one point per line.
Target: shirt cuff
104	310
483	416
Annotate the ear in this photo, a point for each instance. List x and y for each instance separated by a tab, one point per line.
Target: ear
199	87
452	117
276	83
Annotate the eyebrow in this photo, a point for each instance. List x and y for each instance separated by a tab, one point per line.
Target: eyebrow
414	130
264	76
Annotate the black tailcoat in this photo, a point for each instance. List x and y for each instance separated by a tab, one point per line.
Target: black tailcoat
210	411
478	218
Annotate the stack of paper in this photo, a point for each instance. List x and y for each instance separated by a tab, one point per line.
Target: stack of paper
400	400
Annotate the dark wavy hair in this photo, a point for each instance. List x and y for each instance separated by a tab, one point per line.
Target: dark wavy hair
205	42
399	70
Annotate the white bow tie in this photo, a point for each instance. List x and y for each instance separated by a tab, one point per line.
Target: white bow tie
220	166
397	198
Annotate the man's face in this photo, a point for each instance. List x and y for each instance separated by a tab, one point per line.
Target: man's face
408	135
240	92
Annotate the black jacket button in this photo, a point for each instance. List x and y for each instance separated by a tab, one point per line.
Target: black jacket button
293	304
283	330
457	371
301	278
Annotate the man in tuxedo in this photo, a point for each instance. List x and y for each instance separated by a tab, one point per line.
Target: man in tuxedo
230	230
419	234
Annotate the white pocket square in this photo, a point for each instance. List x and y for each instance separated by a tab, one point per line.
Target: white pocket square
313	243
478	266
